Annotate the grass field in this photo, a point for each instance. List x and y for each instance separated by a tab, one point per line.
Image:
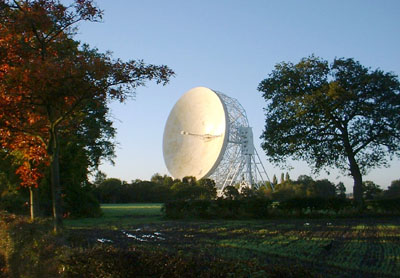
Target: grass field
120	216
332	247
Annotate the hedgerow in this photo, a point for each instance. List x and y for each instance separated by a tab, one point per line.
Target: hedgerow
258	208
220	208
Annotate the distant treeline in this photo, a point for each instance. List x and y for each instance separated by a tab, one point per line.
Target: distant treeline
83	199
159	189
164	188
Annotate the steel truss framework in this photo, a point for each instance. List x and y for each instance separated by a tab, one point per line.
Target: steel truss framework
240	163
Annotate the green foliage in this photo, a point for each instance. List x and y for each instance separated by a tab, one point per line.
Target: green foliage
304	197
81	202
12	198
393	190
159	189
340	190
385	206
231	193
220	208
259	208
328	115
209	189
274	180
185	191
287	177
29	249
371	190
301	206
14	202
77	156
109	190
119	215
162	180
304	187
8	165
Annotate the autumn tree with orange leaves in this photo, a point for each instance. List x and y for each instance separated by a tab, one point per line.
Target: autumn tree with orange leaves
47	80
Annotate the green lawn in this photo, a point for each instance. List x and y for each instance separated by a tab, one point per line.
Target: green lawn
119	216
335	247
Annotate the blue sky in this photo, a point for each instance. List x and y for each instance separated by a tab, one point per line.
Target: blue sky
230	46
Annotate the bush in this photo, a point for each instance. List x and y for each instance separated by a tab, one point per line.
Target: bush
102	262
220	208
14	202
81	202
259	208
300	206
385	206
29	249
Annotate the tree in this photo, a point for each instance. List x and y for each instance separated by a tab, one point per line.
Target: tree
109	190
11	199
393	190
265	191
324	188
99	178
231	193
157	178
340	190
282	178
209	188
339	115
190	180
274	180
162	180
247	192
371	190
186	191
48	80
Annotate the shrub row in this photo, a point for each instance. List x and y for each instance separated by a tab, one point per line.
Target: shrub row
303	205
263	208
220	208
384	206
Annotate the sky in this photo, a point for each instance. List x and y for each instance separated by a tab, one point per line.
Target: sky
231	46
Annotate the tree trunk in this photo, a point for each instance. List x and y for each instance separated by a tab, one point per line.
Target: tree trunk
354	170
55	181
356	173
33	203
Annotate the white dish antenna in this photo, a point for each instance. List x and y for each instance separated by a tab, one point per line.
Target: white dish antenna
207	135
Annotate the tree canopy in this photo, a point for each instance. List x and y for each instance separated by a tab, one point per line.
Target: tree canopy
51	84
340	115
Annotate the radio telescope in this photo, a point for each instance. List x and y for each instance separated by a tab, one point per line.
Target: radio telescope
207	135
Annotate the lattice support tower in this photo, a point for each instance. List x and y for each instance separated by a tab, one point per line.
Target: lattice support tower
241	165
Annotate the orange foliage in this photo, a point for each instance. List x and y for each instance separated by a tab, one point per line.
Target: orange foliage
17	118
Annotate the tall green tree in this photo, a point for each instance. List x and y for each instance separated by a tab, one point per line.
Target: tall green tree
371	190
340	115
209	188
274	180
287	176
340	190
393	190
